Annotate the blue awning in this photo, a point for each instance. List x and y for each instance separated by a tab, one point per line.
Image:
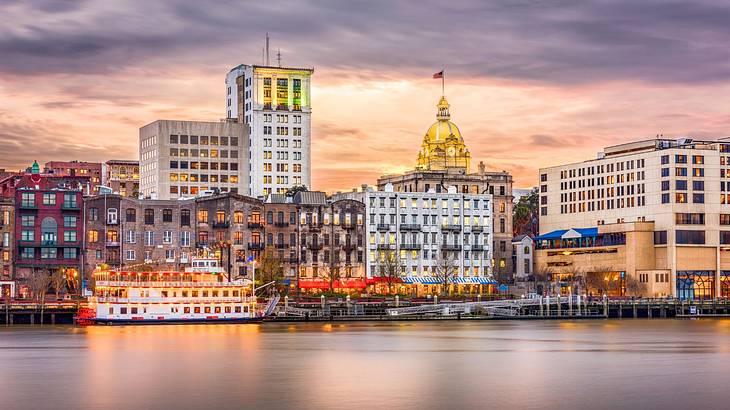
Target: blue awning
582	232
459	281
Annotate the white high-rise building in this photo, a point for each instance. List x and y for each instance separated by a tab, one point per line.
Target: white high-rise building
275	103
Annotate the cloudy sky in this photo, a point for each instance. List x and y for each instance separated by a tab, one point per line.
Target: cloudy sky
531	83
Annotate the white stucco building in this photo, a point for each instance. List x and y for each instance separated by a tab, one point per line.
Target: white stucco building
275	104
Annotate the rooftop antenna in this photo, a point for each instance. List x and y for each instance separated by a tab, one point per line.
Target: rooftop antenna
278	56
267	49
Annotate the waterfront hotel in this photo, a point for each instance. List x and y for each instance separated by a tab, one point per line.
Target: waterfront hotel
647	218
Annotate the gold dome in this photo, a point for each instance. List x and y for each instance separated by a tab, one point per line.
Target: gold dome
443	146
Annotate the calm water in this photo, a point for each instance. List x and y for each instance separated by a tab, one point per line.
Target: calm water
674	364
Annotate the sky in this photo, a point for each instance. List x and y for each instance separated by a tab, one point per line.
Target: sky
531	83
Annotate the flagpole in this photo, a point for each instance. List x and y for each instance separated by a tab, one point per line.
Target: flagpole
443	78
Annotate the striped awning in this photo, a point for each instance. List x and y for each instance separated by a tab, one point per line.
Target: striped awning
459	281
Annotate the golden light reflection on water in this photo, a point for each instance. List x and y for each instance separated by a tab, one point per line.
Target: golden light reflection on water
504	364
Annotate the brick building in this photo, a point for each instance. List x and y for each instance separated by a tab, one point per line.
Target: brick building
77	168
231	226
128	233
122	177
7	240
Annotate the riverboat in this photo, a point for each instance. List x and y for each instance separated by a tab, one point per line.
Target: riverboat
201	293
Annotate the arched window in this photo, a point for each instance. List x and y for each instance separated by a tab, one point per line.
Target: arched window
112	216
269	217
527	250
49	231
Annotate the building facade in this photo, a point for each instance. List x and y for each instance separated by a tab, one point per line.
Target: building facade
522	254
429	237
122	177
275	103
129	233
180	159
444	161
232	227
681	186
7	240
77	168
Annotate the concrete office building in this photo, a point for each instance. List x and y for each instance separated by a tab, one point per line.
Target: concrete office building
180	159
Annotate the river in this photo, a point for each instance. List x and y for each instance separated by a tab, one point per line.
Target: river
591	364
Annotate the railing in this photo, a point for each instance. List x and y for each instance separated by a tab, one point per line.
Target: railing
167	284
477	247
348	225
349	246
315	245
477	228
410	246
450	247
112	243
281	224
223	224
252	224
384	246
410	227
104	299
383	227
450	227
282	245
256	246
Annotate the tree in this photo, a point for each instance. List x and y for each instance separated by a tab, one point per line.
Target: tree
270	269
58	280
525	214
446	270
40	282
330	274
296	188
634	287
393	269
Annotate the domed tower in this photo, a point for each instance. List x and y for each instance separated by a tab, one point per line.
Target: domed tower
443	147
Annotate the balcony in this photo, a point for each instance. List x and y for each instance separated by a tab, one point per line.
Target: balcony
315	246
282	107
112	244
26	242
384	246
281	224
477	228
449	227
28	205
383	227
112	221
410	227
291	260
282	245
410	246
256	246
477	248
201	244
348	225
221	224
450	247
49	243
314	227
255	224
349	247
70	206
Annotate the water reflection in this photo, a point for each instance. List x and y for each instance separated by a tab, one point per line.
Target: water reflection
571	364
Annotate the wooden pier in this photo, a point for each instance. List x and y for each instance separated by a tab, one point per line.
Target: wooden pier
32	313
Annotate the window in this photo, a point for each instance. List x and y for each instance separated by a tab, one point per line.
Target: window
167	237
698	185
185	238
680	198
112	216
130	215
681	185
69	236
690	219
724	219
27	220
698	159
69	253
69	201
149	238
203	216
27	199
690	237
167	215
680	159
660	237
698	198
93	236
149	216
665	198
49	199
185	217
724	237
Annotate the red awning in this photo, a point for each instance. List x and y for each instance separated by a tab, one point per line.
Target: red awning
382	279
338	284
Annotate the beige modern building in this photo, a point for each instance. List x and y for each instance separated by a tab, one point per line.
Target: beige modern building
681	187
180	159
444	161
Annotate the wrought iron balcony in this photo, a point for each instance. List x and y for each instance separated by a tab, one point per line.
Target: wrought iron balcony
384	246
383	227
256	246
410	227
410	246
255	224
281	224
221	224
450	247
477	228
450	227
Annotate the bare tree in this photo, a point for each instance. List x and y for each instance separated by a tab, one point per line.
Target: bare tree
330	274
58	280
40	282
634	287
393	269
446	270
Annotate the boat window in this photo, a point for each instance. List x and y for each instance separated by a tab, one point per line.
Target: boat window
186	309
238	309
235	293
225	293
197	309
217	309
228	309
123	311
134	310
207	309
111	310
205	293
215	293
